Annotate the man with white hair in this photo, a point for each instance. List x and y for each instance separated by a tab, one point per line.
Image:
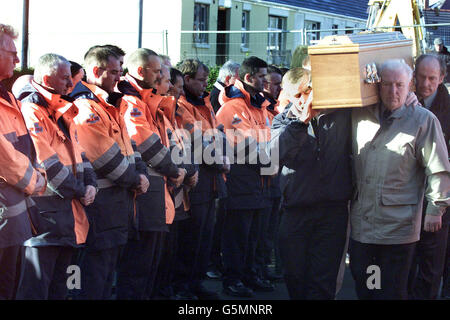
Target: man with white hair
228	74
396	149
18	176
62	224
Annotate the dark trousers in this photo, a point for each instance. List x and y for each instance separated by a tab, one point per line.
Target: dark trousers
138	263
45	273
394	262
311	244
216	249
267	242
428	263
262	246
164	276
446	273
195	236
239	240
97	273
272	231
11	268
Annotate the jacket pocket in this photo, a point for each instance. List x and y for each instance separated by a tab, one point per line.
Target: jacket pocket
399	197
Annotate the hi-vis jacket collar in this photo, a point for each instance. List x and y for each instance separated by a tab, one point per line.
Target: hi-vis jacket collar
93	92
129	86
196	101
237	90
55	103
4	94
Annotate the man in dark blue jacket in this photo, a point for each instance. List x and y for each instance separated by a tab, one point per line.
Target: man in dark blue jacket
316	185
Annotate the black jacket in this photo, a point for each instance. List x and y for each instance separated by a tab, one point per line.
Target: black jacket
441	109
214	96
316	171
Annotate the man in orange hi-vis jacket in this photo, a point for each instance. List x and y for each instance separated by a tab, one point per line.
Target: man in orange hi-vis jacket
148	128
18	177
120	171
61	224
196	115
245	118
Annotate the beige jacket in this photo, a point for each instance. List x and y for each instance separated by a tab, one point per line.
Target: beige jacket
392	163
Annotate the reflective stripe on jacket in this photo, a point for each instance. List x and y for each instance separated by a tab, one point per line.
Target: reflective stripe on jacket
142	123
17	173
196	116
103	135
247	124
62	219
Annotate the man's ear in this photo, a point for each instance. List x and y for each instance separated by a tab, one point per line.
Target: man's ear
140	71
248	78
227	80
45	81
96	71
186	78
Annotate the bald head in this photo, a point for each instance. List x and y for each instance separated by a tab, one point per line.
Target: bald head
429	74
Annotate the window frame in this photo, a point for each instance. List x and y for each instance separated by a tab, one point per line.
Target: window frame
201	12
245	37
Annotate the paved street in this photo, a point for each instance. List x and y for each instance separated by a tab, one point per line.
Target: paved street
347	292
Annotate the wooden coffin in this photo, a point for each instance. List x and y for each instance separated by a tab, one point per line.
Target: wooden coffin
342	67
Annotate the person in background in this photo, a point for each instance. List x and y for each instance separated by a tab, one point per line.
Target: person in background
180	195
164	84
228	74
196	115
429	257
77	74
145	123
20	83
441	50
246	121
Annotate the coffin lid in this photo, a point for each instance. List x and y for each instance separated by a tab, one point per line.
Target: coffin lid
358	42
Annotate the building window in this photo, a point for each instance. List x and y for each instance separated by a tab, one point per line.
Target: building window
277	40
335	27
201	15
312	35
245	27
348	30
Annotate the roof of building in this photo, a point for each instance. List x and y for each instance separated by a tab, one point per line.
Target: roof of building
438	32
353	8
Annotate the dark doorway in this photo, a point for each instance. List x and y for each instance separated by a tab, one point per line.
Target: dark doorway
222	38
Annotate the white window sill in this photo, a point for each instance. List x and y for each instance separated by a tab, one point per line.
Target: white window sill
202	45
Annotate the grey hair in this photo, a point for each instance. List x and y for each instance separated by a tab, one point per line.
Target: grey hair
396	64
48	65
229	68
8	31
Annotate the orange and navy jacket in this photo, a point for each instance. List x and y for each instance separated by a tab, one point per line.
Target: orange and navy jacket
196	116
247	124
179	145
146	126
18	173
61	219
103	135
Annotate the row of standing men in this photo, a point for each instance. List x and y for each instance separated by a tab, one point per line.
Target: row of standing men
91	180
